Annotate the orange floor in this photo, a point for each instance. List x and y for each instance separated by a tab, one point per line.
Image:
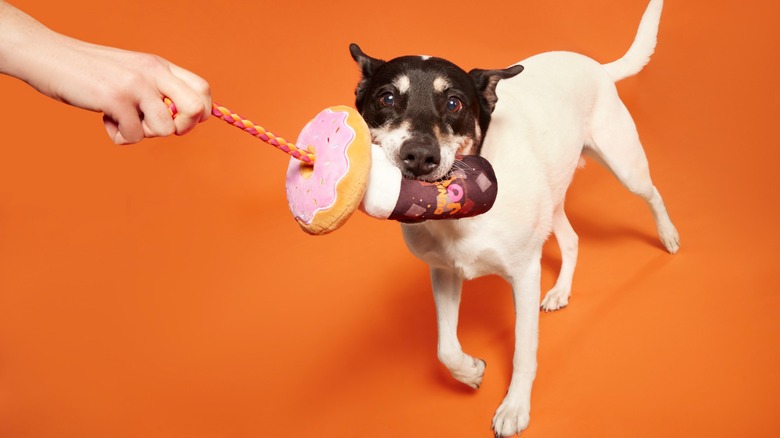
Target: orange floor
162	290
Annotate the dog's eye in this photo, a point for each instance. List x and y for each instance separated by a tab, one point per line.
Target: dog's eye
454	104
387	99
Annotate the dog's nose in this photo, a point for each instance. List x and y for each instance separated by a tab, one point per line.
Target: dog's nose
420	157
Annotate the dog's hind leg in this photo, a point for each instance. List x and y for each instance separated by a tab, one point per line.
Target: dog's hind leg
568	242
447	288
615	144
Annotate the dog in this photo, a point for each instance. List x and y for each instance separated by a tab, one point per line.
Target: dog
533	121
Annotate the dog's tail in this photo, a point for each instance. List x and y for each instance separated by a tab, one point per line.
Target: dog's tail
638	54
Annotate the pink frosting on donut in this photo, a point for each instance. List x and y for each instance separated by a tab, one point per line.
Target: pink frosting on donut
310	190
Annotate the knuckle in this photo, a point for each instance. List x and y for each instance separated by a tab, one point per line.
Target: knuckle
164	130
190	107
147	61
202	87
126	84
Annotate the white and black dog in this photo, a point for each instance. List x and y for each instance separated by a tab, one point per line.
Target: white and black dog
533	127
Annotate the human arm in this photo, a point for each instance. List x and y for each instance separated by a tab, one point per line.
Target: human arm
127	87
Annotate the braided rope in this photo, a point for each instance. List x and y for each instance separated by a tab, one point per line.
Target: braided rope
255	130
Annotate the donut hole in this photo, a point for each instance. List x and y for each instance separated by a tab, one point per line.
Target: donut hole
306	170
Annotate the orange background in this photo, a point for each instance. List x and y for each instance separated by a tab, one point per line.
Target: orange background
163	289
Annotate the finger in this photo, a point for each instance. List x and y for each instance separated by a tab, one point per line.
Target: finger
157	120
199	85
111	128
125	127
189	107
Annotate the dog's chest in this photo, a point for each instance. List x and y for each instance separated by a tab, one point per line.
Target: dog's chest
459	245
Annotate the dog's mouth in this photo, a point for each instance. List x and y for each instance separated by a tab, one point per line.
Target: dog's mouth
429	168
420	156
438	174
434	163
428	178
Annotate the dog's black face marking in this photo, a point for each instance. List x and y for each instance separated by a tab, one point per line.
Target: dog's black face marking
423	111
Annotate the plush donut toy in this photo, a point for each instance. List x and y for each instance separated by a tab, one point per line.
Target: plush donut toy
334	170
324	194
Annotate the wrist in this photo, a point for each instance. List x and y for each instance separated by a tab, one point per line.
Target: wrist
23	42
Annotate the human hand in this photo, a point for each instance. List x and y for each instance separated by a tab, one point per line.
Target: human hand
127	87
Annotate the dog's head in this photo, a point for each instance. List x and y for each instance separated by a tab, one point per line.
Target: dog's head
423	111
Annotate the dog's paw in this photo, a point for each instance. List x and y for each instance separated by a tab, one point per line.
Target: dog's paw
511	419
556	298
469	371
670	238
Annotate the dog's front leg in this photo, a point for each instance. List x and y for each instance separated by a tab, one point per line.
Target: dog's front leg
513	415
447	287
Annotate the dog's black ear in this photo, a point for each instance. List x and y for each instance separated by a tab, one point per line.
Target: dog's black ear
486	81
368	67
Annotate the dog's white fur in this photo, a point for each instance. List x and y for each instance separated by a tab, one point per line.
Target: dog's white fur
561	106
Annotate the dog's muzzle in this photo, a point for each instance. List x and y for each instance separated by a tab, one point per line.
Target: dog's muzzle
419	156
